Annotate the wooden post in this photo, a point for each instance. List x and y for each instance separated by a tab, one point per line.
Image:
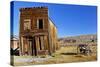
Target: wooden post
22	46
42	43
33	46
28	50
46	42
36	40
29	47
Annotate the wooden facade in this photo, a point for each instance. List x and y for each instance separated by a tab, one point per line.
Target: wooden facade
38	34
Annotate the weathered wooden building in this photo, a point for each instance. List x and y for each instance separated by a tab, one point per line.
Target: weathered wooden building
14	43
38	34
14	46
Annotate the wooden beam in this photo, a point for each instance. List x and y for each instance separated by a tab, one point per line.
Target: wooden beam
22	46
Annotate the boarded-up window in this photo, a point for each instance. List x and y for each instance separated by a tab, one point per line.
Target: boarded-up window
27	24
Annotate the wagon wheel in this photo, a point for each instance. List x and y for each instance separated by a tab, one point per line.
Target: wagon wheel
88	51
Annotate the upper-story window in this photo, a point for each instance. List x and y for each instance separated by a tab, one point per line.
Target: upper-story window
40	23
27	24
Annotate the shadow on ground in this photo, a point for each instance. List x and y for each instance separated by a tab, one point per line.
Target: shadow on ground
69	53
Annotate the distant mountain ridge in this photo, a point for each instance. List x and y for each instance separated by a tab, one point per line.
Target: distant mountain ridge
87	37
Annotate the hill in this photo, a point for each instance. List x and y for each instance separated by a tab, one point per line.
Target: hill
90	38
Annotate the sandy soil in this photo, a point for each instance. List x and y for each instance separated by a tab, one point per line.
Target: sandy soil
63	55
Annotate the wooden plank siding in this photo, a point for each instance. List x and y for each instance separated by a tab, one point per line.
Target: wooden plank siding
35	40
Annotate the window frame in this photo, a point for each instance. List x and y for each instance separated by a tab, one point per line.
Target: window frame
27	24
38	23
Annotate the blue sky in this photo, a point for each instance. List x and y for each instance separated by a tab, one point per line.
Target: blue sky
71	20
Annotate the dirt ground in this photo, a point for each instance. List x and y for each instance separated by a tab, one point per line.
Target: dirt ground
66	54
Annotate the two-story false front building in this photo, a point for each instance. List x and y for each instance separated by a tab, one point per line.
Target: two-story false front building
38	34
